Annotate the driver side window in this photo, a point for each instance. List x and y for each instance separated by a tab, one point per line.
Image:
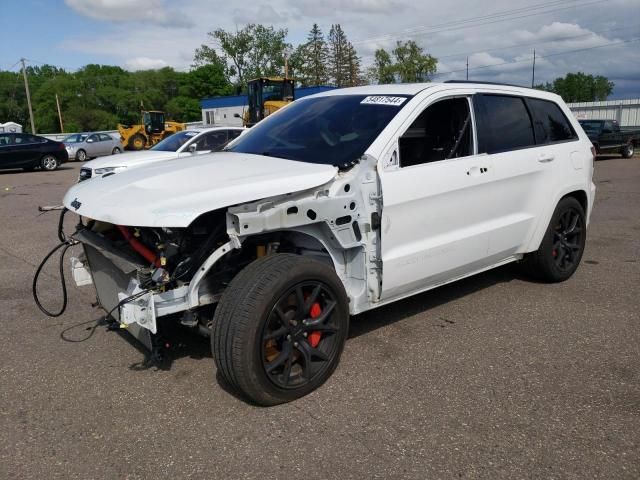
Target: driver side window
442	131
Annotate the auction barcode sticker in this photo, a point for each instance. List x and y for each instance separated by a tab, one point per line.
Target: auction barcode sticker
383	100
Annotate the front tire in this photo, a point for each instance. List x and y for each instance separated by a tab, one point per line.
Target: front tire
49	163
280	328
627	151
562	246
137	142
81	155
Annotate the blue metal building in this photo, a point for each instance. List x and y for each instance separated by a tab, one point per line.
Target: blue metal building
222	110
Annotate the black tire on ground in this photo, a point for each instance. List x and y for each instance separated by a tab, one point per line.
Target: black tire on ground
562	246
627	150
280	328
137	142
49	162
116	151
81	155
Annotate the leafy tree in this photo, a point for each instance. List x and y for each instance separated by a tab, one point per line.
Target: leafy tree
408	65
254	51
299	67
412	65
382	70
580	87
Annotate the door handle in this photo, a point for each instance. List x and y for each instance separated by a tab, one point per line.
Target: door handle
546	158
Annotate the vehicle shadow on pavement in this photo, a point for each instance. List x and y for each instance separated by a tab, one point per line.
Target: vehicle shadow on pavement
188	344
423	302
20	170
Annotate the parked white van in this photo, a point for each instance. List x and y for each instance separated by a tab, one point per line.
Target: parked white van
337	204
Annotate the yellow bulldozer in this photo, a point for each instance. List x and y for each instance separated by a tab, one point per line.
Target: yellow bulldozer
150	131
266	95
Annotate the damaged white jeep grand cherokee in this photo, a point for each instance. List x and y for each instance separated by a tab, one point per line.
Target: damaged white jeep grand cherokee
337	204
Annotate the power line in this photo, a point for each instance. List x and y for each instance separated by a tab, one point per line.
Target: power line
536	44
538	57
477	21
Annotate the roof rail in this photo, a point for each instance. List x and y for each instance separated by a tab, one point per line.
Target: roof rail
485	83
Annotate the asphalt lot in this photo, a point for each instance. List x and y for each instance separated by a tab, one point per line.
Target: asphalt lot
492	377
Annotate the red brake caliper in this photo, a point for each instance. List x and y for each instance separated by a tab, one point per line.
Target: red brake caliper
314	337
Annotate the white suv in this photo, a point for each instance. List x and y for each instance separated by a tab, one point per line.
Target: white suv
337	204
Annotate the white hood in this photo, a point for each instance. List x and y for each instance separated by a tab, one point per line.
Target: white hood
174	193
130	159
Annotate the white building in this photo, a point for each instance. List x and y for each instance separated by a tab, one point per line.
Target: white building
626	112
10	127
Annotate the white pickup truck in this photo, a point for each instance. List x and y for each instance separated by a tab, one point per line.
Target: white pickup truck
337	204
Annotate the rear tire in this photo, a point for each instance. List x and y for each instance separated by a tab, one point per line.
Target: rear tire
562	246
270	341
81	155
627	151
115	151
49	163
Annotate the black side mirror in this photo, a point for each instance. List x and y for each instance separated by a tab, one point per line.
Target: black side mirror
236	115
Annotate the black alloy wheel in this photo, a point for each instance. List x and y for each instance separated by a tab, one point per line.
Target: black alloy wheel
562	246
568	236
280	328
298	338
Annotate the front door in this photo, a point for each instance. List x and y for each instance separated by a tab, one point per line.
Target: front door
437	200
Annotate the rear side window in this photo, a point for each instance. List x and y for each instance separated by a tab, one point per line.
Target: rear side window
551	123
505	123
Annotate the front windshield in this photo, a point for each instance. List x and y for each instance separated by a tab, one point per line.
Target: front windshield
76	138
334	130
175	141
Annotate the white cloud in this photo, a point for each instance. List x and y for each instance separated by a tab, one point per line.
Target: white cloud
372	24
145	63
146	11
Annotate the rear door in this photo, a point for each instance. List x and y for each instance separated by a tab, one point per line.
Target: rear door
523	171
27	150
93	145
106	144
437	199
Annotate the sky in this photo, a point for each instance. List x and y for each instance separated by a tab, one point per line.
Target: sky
599	37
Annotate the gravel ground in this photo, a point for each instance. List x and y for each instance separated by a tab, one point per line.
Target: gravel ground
492	377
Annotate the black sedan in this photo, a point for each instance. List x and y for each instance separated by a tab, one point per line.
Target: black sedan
23	150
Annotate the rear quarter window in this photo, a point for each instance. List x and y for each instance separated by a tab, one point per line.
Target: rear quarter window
551	123
505	123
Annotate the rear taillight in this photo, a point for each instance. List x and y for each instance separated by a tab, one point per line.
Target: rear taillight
61	146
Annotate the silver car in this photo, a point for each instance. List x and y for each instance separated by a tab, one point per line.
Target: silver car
85	146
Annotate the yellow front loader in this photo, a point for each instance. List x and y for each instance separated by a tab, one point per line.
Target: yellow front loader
152	129
266	95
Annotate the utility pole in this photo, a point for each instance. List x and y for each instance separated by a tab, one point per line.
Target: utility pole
467	68
59	114
26	88
533	71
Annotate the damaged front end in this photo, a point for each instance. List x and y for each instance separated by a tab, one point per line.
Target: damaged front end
141	274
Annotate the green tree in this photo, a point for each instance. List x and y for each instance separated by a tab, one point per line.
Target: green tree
354	74
580	87
338	59
317	56
254	51
411	64
382	70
